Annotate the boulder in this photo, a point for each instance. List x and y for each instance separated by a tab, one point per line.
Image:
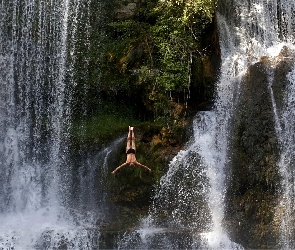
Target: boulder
126	10
254	177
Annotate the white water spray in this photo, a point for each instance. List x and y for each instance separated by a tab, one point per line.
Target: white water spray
287	143
259	32
248	30
283	21
38	46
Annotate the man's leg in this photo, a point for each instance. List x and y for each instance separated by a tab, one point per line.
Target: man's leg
129	139
132	139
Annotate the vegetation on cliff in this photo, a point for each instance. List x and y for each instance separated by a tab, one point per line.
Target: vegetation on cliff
153	66
149	71
154	58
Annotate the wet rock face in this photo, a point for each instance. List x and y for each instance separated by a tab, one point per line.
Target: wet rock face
252	193
127	9
254	178
283	65
181	201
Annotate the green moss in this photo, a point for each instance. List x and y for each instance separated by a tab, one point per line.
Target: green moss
102	127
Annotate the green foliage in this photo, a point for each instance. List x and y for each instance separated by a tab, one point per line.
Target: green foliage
176	36
192	11
152	54
100	127
123	49
106	124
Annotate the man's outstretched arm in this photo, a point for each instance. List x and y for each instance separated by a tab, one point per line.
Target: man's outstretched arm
143	166
121	166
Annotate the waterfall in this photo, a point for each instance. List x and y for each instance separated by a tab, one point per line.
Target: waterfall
50	198
259	28
31	60
38	44
286	164
263	28
284	117
188	207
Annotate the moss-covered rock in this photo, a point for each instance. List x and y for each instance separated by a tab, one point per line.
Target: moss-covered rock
132	187
252	190
254	177
123	90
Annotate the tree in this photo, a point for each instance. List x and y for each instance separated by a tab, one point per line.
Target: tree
154	53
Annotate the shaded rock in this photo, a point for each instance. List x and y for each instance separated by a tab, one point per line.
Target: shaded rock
181	201
127	10
132	188
253	186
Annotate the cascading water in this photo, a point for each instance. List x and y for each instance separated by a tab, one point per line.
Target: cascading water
278	31
33	46
263	28
286	130
190	199
38	41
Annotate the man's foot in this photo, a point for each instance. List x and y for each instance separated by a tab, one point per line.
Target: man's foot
113	172
131	128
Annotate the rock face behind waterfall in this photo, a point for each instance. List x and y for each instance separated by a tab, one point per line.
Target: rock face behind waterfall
253	186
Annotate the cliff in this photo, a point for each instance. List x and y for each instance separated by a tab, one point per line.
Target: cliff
161	130
254	176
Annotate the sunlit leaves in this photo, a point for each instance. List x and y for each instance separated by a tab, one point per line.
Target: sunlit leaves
176	34
191	11
154	53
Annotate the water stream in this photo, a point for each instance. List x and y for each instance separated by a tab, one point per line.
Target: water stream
41	185
190	198
38	48
286	164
